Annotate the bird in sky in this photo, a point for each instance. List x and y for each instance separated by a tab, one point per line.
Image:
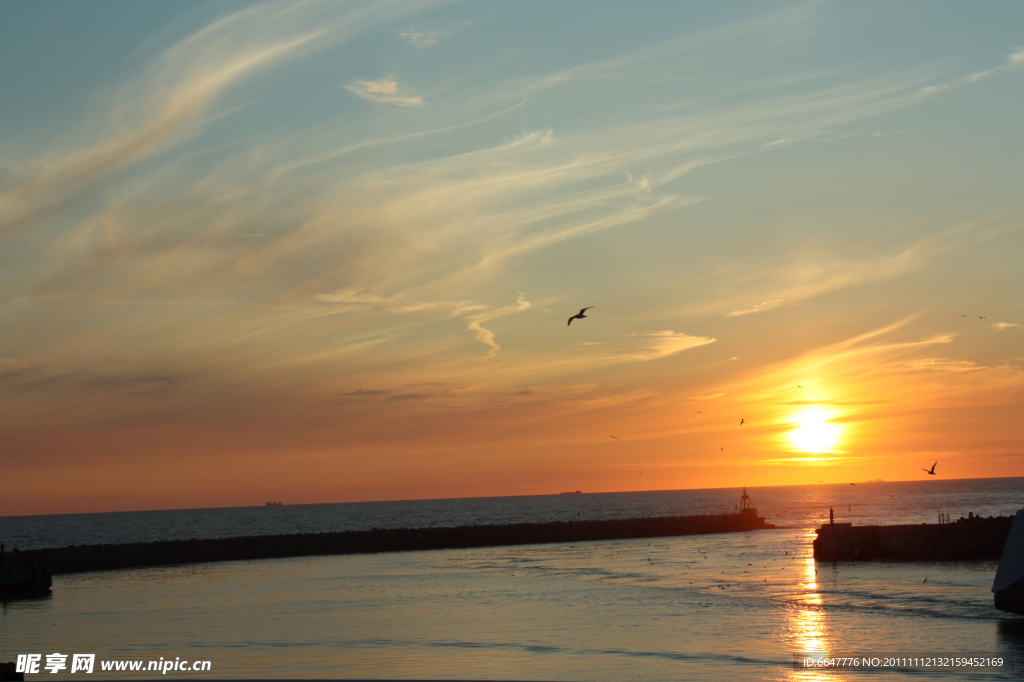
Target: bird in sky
799	386
932	470
981	317
579	315
615	437
853	484
742	422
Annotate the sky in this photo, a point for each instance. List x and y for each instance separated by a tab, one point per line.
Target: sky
327	251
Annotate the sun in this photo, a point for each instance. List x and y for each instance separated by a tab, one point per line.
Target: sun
815	433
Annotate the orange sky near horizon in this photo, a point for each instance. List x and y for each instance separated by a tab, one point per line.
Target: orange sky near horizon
868	392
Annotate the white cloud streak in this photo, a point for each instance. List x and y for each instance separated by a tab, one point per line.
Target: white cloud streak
486	336
385	91
423	38
398	304
816	274
663	344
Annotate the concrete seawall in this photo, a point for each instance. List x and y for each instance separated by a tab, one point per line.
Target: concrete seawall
80	558
974	539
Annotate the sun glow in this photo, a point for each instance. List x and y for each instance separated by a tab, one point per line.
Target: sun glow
814	433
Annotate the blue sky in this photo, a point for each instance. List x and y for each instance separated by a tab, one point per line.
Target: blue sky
325	251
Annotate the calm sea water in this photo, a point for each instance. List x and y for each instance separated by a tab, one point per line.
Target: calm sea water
717	607
789	506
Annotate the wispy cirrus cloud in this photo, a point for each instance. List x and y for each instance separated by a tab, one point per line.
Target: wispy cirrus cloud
428	37
476	314
757	308
945	365
386	91
422	38
176	89
397	304
813	274
663	344
486	336
1014	61
891	362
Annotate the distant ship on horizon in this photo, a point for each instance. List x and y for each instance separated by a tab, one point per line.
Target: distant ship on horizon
572	492
271	503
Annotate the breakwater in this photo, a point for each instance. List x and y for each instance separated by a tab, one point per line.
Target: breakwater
81	558
24	582
970	539
22	578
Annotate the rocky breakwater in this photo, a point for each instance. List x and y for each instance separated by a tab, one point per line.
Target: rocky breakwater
968	539
80	558
20	578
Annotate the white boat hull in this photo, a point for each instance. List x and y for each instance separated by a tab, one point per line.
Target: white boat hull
1008	586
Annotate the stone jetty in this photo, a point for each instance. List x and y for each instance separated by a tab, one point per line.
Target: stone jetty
80	558
22	578
968	539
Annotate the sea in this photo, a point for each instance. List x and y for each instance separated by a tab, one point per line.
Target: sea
732	606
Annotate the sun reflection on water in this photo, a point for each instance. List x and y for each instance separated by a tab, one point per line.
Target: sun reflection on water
808	624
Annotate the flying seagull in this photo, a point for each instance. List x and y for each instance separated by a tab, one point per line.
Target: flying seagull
742	422
579	315
932	471
615	437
